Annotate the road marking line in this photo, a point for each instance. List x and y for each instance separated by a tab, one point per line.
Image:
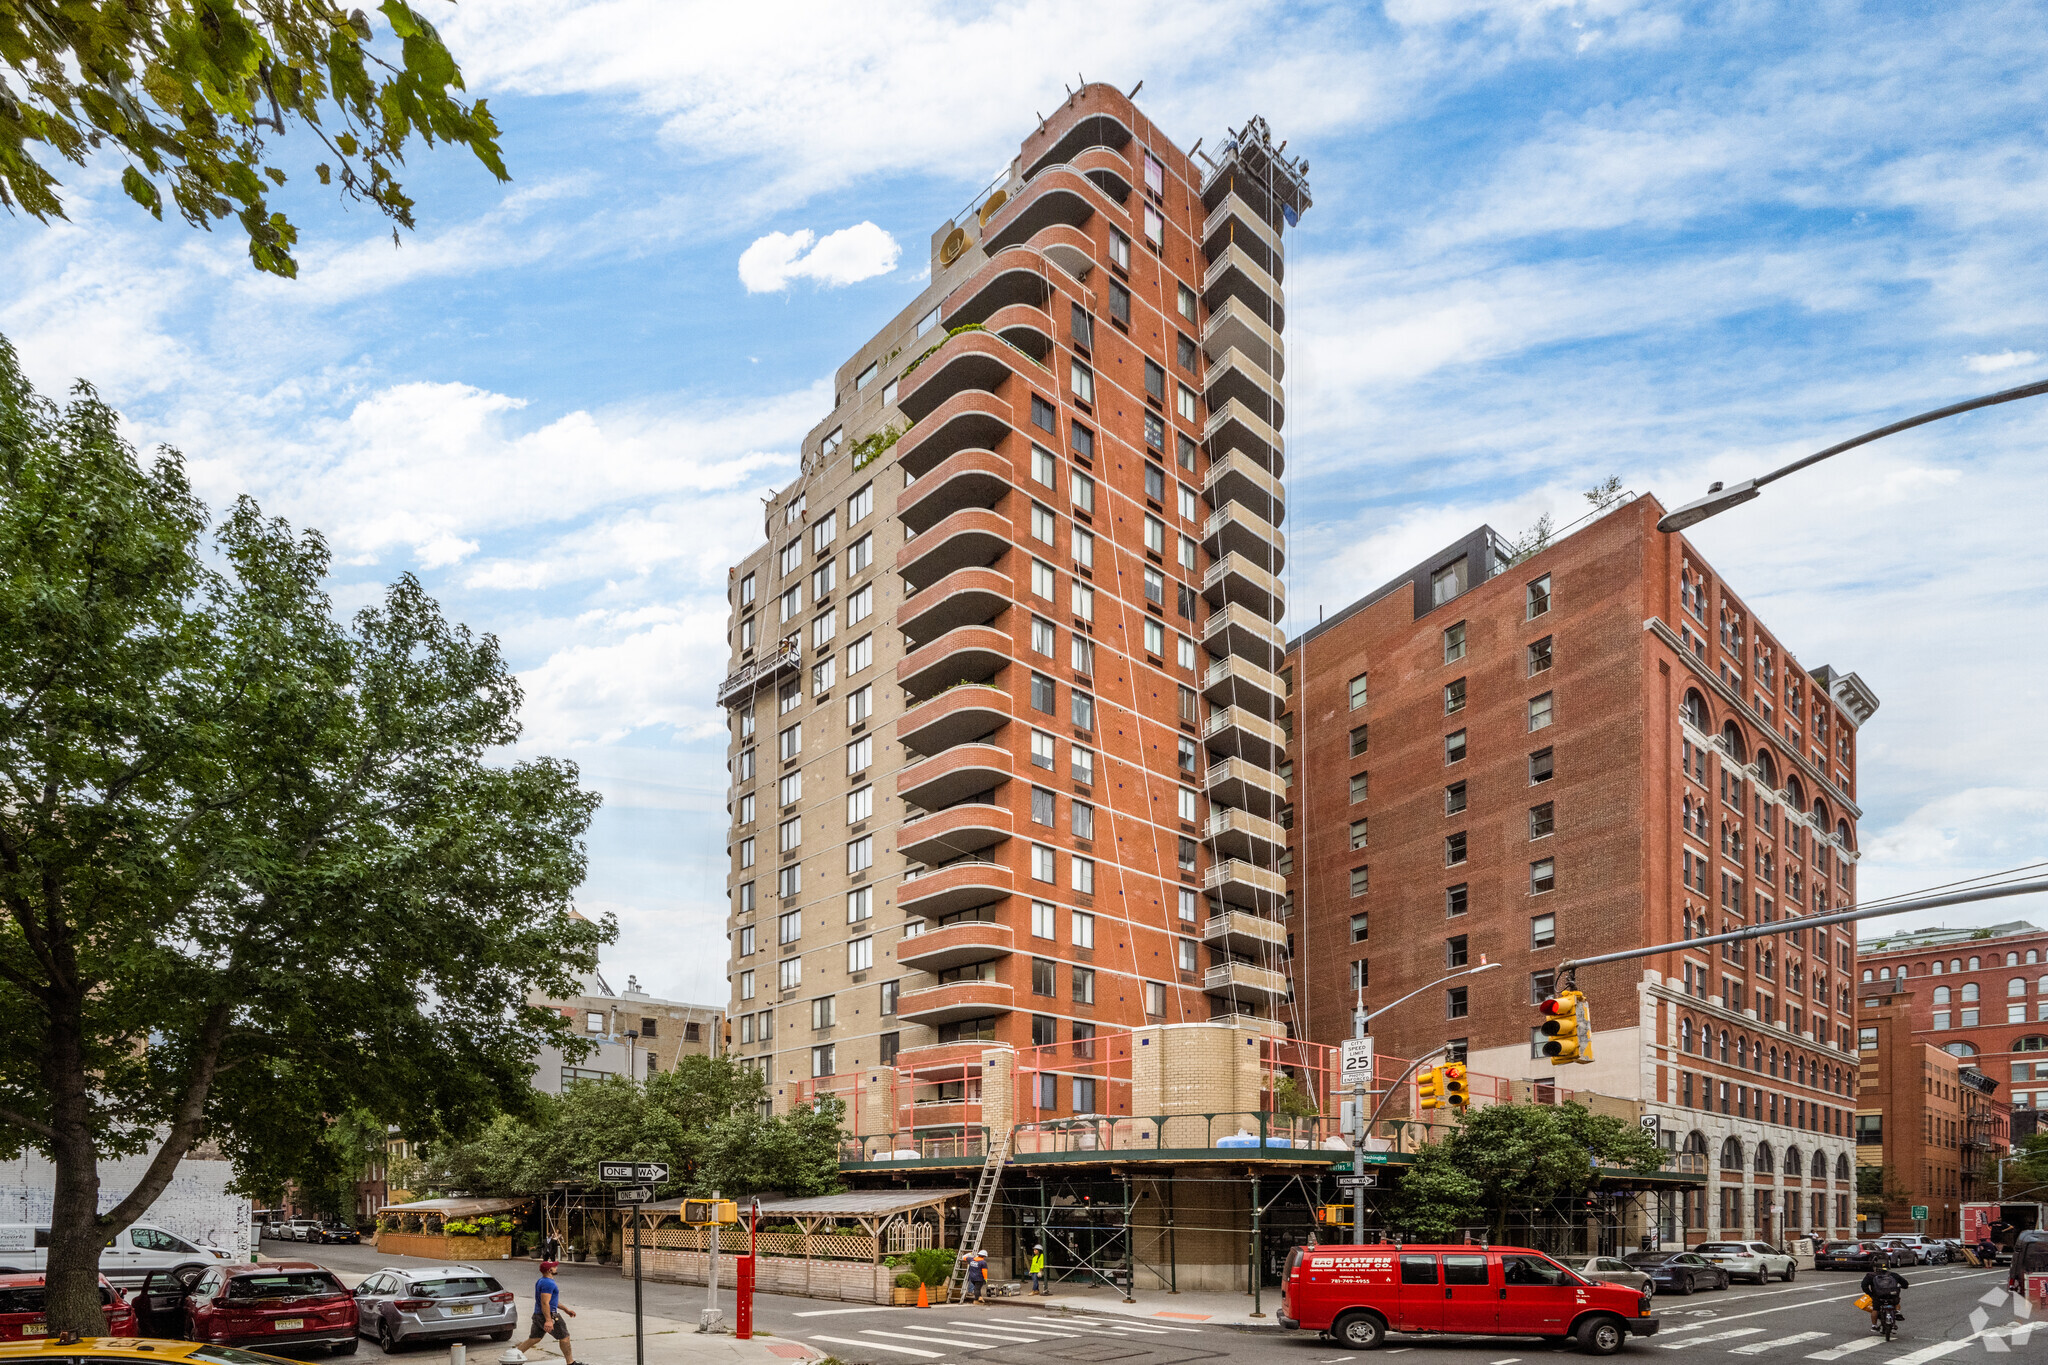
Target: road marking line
926	1336
1847	1348
1001	1334
1718	1336
837	1312
1510	1360
1034	1327
1117	1325
1757	1348
879	1346
1934	1352
1810	1303
1068	1326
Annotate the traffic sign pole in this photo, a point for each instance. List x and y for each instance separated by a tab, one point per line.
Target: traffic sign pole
639	1322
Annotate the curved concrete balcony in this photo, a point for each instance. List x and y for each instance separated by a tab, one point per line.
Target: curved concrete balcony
1234	375
953	1001
1011	275
969	654
971	538
1026	327
1057	194
1238	932
1236	529
1238	478
948	778
956	945
966	363
1077	126
1242	981
1108	169
1236	274
969	478
1236	682
949	890
1247	786
958	715
1237	327
1069	248
1240	834
965	597
1235	882
973	420
1232	222
1235	427
1235	579
1238	732
953	833
936	1062
1243	632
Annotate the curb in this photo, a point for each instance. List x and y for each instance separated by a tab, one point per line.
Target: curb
1068	1310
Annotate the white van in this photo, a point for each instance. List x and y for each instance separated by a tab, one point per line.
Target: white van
133	1253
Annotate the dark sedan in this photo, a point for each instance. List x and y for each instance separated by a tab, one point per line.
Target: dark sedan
1860	1256
333	1232
1678	1272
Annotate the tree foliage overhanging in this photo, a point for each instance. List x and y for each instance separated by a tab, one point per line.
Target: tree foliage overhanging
258	866
196	95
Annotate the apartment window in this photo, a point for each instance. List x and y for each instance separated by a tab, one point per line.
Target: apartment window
860	804
1447	582
860	754
747	590
1187	403
789	927
1542	820
1185	954
1358	740
1081	818
927	322
1155	638
1044	976
790	834
1042	414
1184	601
1186	752
792	558
1155	381
1082	598
1361	882
1184	351
1119	304
860	504
1539	657
1454	747
1457	899
860	554
1358	835
1542	875
1041	749
1042	919
746	898
1081	764
748	629
1454	798
860	704
1042	807
789	789
1542	931
1454	849
1155	226
1456	951
860	855
860	954
889	1045
746	940
860	654
822	1060
1119	249
1082	440
1155	535
1082	381
793	602
1187	303
1042	693
1537	597
1361	974
1084	548
1081	928
1454	696
1042	582
1360	782
1358	691
1081	653
1187	906
1082	489
1457	1004
1541	766
1187	806
1043	469
1083	878
1082	707
1083	979
746	985
788	698
1186	648
1184	449
790	742
860	905
1042	868
746	853
859	605
1540	711
790	973
823	674
1155	999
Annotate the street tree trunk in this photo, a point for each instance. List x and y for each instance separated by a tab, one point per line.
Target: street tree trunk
71	1274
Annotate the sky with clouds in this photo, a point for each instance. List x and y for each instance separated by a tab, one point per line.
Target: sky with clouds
1553	241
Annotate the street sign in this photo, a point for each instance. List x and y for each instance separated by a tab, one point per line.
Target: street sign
1652	1123
1374	1158
641	1195
1357	1060
632	1172
1370	1180
1920	1212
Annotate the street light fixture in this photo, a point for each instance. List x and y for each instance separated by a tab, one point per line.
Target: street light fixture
1719	498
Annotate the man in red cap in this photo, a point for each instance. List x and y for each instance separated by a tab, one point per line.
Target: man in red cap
549	1317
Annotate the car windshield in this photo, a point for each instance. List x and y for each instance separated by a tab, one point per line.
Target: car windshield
1724	1248
1576	1262
1647	1257
455	1287
28	1298
283	1284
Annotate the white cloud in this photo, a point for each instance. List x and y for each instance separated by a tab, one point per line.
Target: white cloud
844	257
2003	360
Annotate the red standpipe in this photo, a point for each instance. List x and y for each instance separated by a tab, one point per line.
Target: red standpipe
743	1287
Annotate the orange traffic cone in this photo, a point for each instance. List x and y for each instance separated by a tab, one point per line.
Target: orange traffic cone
924	1299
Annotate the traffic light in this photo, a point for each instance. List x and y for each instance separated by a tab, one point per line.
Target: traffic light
1567	1028
1452	1080
1429	1088
704	1212
1334	1215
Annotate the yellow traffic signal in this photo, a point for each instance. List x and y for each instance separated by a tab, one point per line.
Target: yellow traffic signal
1567	1028
1429	1089
1334	1215
704	1212
1452	1079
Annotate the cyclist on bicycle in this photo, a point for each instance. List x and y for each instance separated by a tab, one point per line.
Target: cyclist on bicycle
1883	1284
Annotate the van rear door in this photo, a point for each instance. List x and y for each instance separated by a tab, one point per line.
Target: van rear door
1471	1292
1421	1305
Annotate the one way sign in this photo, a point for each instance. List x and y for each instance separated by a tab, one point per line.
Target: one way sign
632	1172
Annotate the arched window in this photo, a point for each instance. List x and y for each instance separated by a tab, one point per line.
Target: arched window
2042	985
1819	1169
1800	1067
1793	1165
2033	956
1869	975
1742	1052
1765	1165
1820	815
1955	964
1694	709
1842	1166
1969	992
1941	994
1842	833
2012	959
1961	1049
1731	1154
1884	973
1696	1142
1685	1034
1935	970
1731	734
1975	964
2016	986
1795	792
1774	1062
2033	1042
1768	768
1724	1045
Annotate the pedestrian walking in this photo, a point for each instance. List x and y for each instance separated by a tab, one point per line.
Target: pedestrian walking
1038	1269
977	1279
550	1319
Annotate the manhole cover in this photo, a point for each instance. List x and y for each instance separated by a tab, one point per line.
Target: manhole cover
1098	1353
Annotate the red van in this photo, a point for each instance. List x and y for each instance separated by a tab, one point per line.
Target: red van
1358	1294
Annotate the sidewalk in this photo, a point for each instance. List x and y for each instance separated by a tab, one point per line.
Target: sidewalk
1214	1309
604	1336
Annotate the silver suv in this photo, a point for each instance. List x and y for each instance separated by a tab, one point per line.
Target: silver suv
1926	1250
434	1303
1757	1261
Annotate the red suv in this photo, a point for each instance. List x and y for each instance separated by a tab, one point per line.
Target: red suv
276	1303
21	1309
1358	1294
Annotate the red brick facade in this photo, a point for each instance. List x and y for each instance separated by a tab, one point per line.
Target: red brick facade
1984	999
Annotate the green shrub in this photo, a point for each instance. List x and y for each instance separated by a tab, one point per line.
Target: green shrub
908	1280
932	1264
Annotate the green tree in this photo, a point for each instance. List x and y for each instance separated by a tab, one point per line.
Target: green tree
1527	1156
1435	1199
257	866
185	91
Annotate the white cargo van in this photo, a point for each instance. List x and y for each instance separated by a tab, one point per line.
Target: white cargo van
127	1258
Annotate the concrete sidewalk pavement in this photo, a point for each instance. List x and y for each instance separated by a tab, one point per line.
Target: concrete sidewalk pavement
1216	1309
604	1336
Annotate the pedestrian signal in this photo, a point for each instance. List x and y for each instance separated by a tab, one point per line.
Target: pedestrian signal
1455	1091
1334	1215
1429	1090
704	1212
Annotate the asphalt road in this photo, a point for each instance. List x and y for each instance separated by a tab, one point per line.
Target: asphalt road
1953	1314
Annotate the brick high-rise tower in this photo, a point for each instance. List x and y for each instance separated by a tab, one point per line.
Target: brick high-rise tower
1003	697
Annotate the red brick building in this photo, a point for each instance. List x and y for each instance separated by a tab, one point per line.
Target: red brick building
1984	998
1523	759
1003	687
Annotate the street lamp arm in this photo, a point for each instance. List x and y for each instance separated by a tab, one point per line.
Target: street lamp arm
1719	499
1468	971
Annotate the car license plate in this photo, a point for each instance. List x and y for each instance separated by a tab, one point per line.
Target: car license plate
36	1329
462	1308
288	1325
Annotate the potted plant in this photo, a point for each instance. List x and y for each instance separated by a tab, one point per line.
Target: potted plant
905	1291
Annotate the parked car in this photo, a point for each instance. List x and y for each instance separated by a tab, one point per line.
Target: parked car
1859	1256
1609	1270
1358	1294
21	1309
272	1304
1678	1272
1926	1250
434	1303
333	1231
1750	1260
131	1254
298	1229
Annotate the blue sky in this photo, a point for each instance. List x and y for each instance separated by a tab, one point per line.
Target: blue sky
1551	242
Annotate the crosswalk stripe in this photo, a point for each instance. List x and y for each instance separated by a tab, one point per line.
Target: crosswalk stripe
1067	1325
1927	1353
1847	1348
927	1336
1718	1336
999	1333
879	1346
1034	1327
1757	1348
1131	1327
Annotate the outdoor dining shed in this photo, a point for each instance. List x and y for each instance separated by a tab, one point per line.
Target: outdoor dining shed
835	1251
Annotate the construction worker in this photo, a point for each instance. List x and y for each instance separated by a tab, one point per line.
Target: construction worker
1038	1269
977	1279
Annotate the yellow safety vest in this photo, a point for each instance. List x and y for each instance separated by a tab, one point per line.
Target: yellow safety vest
1038	1263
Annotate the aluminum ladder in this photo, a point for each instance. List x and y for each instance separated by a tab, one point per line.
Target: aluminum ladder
977	1214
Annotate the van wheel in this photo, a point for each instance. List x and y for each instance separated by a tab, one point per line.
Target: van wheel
1600	1337
1360	1331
